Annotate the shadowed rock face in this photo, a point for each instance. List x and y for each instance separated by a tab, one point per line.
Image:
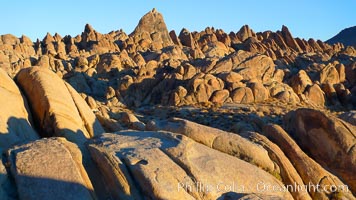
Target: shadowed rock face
15	117
329	140
309	170
201	107
346	37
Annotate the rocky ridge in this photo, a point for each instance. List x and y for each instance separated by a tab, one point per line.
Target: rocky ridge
177	108
346	37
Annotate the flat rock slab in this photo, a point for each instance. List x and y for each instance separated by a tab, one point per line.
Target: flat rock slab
172	166
49	169
223	141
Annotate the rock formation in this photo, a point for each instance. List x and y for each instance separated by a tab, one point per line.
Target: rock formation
57	108
49	167
160	115
346	37
16	120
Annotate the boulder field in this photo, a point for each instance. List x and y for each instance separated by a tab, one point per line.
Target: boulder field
160	115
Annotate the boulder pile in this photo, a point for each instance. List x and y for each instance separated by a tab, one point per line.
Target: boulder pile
160	115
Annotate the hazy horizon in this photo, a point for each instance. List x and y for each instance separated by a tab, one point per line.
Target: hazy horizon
305	19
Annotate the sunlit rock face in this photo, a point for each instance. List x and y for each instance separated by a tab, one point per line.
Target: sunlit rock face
189	114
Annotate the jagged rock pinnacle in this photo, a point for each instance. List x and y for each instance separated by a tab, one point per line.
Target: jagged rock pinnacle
153	24
88	28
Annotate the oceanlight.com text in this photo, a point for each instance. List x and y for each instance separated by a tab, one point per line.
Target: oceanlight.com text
261	186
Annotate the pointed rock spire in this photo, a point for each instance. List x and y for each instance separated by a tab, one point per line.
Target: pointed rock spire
25	40
175	38
186	38
289	40
153	23
48	38
89	34
245	32
57	37
88	28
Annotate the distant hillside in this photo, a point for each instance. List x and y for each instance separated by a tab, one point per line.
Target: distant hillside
346	36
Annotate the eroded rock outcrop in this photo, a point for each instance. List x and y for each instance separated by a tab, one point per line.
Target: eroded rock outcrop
309	170
57	109
144	153
235	82
226	142
15	117
264	57
328	140
288	173
152	28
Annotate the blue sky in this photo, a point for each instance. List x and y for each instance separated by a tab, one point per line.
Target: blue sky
320	19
